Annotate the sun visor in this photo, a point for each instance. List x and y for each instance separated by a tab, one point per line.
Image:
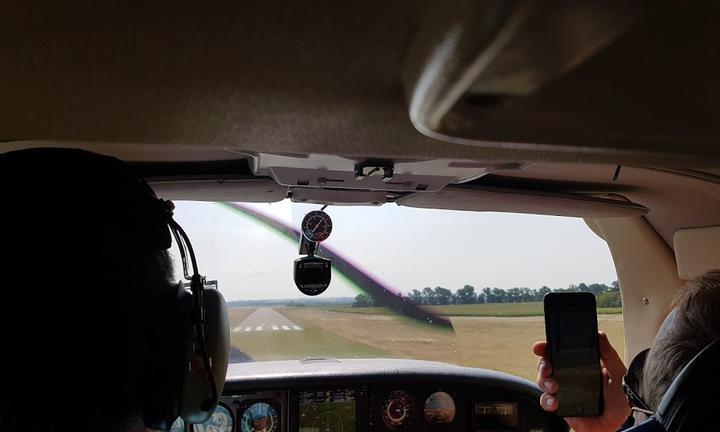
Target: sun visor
697	250
481	198
567	76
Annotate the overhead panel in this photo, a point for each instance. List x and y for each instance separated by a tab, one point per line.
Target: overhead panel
338	180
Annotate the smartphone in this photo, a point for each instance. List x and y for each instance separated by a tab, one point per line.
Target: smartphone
573	350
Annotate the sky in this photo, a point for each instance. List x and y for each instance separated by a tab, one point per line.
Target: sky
405	248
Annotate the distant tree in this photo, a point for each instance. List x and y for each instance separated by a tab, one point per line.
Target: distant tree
541	293
499	295
597	288
570	288
528	294
428	296
465	295
609	299
443	296
363	300
487	296
514	295
415	296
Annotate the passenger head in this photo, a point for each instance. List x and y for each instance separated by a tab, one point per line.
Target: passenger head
83	256
693	323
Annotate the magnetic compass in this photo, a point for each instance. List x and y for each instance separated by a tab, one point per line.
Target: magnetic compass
316	226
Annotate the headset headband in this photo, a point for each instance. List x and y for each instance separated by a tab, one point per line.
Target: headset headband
197	287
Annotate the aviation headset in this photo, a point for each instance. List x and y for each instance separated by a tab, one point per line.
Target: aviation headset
190	331
184	334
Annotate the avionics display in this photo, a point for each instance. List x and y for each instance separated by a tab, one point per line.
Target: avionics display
489	416
327	410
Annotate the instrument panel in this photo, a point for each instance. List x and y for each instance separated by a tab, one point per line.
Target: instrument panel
360	396
328	410
264	411
358	409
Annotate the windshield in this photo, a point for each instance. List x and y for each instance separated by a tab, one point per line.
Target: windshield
478	278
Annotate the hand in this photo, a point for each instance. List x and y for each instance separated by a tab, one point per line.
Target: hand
616	408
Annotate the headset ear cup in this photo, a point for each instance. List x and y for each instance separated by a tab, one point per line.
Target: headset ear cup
217	335
194	388
163	357
183	334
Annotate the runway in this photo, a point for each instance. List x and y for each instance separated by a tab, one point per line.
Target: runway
265	319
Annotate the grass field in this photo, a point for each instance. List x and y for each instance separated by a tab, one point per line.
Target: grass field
500	342
238	314
488	310
310	342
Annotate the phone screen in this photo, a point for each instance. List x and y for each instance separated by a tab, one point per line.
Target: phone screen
571	330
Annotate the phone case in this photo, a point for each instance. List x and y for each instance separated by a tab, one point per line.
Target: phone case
576	366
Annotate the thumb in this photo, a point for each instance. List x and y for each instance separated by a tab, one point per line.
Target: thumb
610	358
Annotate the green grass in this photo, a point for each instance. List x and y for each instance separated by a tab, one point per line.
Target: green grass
479	310
498	343
299	344
237	314
492	336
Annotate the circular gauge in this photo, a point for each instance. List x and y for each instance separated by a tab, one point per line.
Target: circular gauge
220	421
259	417
439	408
397	411
316	226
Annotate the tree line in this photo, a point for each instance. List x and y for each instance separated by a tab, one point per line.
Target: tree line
606	295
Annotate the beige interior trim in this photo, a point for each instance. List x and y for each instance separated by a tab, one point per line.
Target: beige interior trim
697	250
487	198
647	273
249	190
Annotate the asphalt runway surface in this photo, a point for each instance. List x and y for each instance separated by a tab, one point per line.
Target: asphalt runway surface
265	319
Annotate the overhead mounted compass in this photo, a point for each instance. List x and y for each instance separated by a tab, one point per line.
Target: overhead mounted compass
312	273
316	226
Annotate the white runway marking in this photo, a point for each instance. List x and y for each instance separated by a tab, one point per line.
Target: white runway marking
266	319
237	329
